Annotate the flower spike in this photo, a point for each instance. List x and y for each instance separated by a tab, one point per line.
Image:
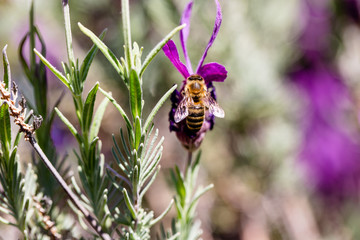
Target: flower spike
210	72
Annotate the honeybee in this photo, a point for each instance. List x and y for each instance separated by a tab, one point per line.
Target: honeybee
196	100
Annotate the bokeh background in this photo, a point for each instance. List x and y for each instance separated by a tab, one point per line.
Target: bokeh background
285	161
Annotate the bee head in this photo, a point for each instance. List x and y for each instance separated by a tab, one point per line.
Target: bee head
195	77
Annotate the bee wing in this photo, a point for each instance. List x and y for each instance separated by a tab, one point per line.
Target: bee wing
182	109
213	107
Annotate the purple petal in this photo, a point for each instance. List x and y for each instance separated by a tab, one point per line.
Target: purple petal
184	33
171	52
217	24
213	72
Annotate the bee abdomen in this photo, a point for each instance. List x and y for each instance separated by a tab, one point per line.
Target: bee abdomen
195	119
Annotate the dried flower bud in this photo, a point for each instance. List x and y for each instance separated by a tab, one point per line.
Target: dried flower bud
37	122
14	90
22	103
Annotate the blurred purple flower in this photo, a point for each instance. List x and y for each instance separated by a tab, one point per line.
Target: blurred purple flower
315	19
211	72
329	152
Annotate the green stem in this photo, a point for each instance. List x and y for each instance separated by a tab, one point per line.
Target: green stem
126	31
188	163
79	107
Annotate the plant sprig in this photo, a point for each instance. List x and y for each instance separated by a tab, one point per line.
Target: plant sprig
90	159
139	153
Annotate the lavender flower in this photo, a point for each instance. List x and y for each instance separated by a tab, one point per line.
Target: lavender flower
329	152
210	72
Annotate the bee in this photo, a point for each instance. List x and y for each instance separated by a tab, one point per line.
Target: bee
196	101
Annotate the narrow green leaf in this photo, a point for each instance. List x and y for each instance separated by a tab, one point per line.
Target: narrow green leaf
153	112
66	69
129	204
152	167
118	107
156	220
22	58
124	161
39	78
89	108
137	132
7	74
17	138
68	37
3	220
179	208
158	47
135	179
104	49
5	210
5	130
148	185
194	169
119	161
198	194
52	113
149	147
173	227
56	72
154	154
135	94
175	236
180	186
32	62
42	42
137	52
85	66
96	122
69	125
125	146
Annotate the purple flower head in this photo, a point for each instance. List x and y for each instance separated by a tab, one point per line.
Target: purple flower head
210	72
330	151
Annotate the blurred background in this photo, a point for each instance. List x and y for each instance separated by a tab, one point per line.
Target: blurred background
285	161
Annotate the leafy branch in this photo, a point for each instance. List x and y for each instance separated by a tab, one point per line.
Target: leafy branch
186	199
138	155
90	159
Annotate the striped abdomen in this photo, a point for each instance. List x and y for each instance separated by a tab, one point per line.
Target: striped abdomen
195	119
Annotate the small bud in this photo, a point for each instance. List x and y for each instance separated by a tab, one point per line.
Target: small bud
37	122
46	202
14	90
22	104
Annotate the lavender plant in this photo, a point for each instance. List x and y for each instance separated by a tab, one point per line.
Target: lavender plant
110	197
186	200
141	150
90	159
18	189
35	73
